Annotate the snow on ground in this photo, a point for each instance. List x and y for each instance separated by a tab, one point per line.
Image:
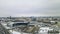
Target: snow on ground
5	25
14	32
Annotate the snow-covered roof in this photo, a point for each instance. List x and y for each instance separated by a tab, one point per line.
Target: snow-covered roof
44	29
52	21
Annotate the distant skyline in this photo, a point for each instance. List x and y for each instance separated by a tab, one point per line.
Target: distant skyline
29	8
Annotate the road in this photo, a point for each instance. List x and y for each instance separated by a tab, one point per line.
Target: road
3	30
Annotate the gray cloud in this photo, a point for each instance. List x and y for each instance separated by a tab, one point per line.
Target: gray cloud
29	7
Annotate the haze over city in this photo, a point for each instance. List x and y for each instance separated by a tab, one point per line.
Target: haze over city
29	16
29	7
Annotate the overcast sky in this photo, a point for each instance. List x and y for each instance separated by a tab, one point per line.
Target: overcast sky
29	7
